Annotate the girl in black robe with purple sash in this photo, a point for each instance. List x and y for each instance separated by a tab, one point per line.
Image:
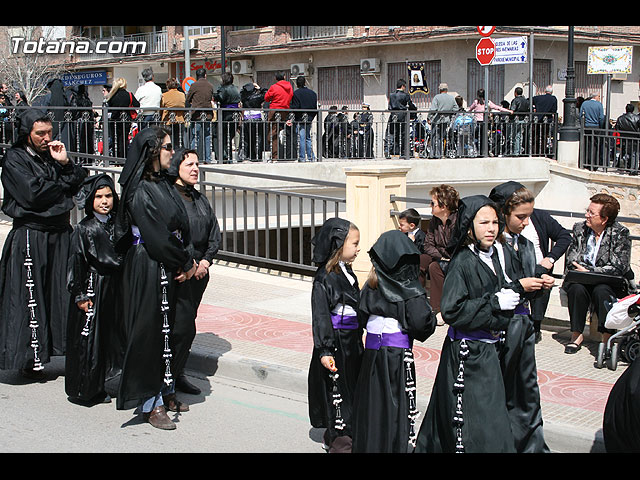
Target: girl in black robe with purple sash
337	337
153	227
395	312
93	340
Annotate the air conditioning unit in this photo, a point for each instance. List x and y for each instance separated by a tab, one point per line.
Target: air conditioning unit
620	77
241	67
298	69
369	65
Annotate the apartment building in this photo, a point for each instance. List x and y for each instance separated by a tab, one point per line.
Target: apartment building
348	65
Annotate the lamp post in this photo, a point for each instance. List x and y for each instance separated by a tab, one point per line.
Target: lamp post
569	132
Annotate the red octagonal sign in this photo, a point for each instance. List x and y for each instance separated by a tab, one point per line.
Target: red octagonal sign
485	51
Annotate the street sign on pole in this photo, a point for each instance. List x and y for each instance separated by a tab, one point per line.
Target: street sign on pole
511	50
486	31
485	51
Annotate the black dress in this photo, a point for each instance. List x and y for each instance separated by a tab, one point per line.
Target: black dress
205	240
518	359
469	413
621	421
148	284
38	196
92	338
395	313
340	336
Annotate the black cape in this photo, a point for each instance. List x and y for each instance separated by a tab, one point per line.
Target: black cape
148	272
329	290
621	421
469	306
94	339
38	195
385	402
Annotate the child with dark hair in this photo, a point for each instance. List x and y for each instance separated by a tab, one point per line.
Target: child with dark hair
395	312
337	336
93	342
409	223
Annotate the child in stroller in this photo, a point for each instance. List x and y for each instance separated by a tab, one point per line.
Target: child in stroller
623	316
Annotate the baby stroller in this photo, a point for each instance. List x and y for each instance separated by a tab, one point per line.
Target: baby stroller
623	316
460	141
419	135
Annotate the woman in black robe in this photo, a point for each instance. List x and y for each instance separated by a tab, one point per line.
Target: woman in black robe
337	337
467	410
92	280
152	225
621	420
205	240
517	352
395	312
39	183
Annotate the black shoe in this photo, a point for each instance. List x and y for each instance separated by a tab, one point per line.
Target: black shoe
185	386
32	374
538	337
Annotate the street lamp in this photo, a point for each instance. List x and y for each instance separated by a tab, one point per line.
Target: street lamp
569	131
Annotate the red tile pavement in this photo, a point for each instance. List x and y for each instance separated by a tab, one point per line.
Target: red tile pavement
232	325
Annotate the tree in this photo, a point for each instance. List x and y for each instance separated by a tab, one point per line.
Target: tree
24	65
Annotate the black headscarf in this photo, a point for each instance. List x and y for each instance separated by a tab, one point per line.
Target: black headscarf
173	172
84	198
501	193
467	210
130	177
329	239
26	118
396	260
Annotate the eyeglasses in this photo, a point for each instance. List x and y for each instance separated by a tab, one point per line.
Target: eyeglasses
589	213
434	204
167	146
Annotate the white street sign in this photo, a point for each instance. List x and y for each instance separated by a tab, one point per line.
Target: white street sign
511	50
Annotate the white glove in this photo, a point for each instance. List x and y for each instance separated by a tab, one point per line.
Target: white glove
508	299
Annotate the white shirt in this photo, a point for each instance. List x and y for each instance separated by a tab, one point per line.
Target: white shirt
149	95
530	233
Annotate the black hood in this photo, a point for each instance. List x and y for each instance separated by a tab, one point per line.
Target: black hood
173	172
467	209
27	117
501	193
84	198
329	239
396	260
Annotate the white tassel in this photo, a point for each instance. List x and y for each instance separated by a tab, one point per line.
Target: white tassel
32	304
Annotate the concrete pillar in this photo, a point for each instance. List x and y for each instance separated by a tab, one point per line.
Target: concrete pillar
369	189
569	153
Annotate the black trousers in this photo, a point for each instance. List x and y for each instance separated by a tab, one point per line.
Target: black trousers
580	297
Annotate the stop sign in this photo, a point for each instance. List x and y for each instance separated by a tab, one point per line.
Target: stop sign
485	51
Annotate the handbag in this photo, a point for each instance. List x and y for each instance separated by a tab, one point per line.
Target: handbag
132	113
618	283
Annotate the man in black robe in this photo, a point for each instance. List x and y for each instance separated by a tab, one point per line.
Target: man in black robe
39	183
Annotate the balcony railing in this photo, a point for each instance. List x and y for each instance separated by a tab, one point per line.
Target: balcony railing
129	45
314	32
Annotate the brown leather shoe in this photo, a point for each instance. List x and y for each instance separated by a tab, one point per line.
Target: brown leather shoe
158	418
173	405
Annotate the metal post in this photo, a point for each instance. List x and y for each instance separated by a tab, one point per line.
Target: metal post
485	146
187	53
569	130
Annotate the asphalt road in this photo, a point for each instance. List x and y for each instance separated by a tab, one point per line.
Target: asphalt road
229	416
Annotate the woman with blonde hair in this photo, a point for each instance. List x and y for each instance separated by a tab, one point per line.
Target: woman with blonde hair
120	117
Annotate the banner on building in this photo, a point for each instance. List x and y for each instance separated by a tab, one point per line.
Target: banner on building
417	82
609	60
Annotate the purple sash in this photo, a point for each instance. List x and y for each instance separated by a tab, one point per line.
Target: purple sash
521	310
472	335
376	340
137	239
344	322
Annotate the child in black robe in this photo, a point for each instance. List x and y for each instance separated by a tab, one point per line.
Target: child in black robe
337	336
467	409
395	312
517	352
92	280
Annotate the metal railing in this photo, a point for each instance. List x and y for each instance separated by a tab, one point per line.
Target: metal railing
231	135
609	150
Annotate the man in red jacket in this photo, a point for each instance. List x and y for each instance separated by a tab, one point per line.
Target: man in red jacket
279	97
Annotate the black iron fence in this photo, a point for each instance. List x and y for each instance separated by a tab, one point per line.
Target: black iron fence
609	150
101	135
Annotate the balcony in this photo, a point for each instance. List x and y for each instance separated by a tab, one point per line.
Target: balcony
314	32
127	45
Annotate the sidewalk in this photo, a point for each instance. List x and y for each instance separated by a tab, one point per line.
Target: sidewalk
256	326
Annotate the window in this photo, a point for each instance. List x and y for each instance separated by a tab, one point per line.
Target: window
475	81
201	30
340	86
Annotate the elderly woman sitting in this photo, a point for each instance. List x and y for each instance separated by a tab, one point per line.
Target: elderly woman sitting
600	245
